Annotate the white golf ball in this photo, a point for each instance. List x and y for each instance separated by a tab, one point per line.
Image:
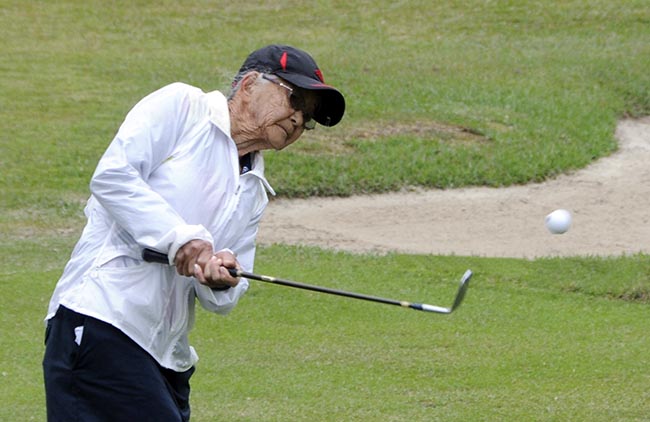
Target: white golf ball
558	221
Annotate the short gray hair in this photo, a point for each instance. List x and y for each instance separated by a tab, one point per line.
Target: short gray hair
236	82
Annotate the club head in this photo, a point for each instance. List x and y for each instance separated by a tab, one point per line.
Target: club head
460	295
464	284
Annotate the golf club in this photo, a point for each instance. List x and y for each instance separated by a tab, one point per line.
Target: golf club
150	255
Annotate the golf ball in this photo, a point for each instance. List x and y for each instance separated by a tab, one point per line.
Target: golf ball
558	221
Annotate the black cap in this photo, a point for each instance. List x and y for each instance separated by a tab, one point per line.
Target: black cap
300	69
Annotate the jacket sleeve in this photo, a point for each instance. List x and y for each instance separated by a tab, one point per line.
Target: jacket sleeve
146	139
222	302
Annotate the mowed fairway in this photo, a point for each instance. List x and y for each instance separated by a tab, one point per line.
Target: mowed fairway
534	340
460	93
513	351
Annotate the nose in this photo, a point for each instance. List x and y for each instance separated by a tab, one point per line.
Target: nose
297	119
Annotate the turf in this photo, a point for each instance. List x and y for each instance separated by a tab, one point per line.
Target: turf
520	348
539	84
551	339
439	94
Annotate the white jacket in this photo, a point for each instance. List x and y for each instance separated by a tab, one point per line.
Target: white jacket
170	175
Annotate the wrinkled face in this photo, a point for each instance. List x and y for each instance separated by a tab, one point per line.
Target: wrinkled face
299	100
274	115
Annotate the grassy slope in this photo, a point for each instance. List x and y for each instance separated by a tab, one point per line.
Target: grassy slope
543	85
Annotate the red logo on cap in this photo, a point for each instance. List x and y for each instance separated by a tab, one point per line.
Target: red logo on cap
319	74
283	61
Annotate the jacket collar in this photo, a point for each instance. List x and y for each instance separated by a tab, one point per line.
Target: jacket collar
219	115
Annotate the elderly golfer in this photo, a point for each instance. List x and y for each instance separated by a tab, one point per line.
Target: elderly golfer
184	176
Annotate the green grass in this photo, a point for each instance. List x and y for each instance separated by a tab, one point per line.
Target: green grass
541	83
439	94
549	339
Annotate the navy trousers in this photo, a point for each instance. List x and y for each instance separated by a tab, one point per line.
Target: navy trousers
97	373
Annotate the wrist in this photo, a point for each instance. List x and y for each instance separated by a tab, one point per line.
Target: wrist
226	250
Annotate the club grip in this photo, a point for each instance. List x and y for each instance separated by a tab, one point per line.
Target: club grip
150	255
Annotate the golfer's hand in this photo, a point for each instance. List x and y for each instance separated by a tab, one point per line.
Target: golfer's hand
215	273
193	252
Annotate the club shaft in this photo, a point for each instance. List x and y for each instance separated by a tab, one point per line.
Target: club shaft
154	256
303	286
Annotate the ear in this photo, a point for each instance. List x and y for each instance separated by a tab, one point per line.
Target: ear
248	82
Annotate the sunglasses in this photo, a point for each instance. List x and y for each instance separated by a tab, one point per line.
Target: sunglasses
296	101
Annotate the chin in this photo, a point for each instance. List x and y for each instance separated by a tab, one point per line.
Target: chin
277	139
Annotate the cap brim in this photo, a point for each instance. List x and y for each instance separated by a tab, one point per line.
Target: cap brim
331	104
